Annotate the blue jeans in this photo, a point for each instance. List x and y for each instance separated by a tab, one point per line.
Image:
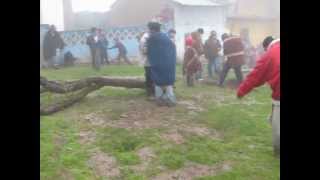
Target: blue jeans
165	95
214	64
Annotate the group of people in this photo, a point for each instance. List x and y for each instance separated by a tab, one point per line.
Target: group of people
159	53
98	45
221	57
53	50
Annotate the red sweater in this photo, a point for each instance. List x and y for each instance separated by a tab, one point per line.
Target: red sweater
267	70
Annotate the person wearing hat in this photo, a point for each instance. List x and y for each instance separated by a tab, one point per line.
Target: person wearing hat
267	70
161	53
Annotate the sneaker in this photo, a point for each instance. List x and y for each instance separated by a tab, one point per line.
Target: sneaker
160	101
171	101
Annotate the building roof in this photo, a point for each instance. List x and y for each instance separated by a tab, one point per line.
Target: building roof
196	2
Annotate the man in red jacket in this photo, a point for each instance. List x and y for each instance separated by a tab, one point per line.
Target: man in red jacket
267	70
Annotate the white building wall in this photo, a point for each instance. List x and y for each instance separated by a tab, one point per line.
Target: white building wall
190	18
52	13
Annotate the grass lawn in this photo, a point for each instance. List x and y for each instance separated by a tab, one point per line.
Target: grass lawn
116	133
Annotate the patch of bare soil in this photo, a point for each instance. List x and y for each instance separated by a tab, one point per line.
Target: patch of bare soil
65	175
87	137
104	165
191	106
146	155
200	131
94	119
59	140
193	171
173	136
144	115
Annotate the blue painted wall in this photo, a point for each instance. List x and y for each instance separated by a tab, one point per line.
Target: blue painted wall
76	40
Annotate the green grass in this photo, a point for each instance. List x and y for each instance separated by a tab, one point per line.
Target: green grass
246	142
60	151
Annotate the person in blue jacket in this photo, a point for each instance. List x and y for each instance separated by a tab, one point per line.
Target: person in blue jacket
161	53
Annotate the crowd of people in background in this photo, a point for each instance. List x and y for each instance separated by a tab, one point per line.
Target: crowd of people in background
98	45
158	51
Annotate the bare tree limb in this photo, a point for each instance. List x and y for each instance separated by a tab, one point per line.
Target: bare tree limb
66	87
50	109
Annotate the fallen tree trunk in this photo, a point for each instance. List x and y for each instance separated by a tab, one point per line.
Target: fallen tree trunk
84	86
50	109
66	87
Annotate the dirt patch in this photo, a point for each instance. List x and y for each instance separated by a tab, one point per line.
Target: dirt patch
173	136
191	106
144	115
146	155
65	175
94	119
87	137
104	165
194	171
200	131
59	140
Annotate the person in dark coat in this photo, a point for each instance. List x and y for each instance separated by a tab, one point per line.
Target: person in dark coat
161	53
93	43
122	51
212	48
233	51
52	41
103	44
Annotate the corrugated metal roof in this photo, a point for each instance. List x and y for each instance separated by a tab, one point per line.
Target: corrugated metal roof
196	2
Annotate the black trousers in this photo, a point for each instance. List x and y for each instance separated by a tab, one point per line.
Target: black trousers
149	83
93	56
104	56
225	70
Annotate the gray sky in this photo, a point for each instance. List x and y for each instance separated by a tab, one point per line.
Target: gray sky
52	12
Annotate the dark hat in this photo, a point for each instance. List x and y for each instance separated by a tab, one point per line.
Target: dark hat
93	29
172	31
224	36
200	30
154	26
267	41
